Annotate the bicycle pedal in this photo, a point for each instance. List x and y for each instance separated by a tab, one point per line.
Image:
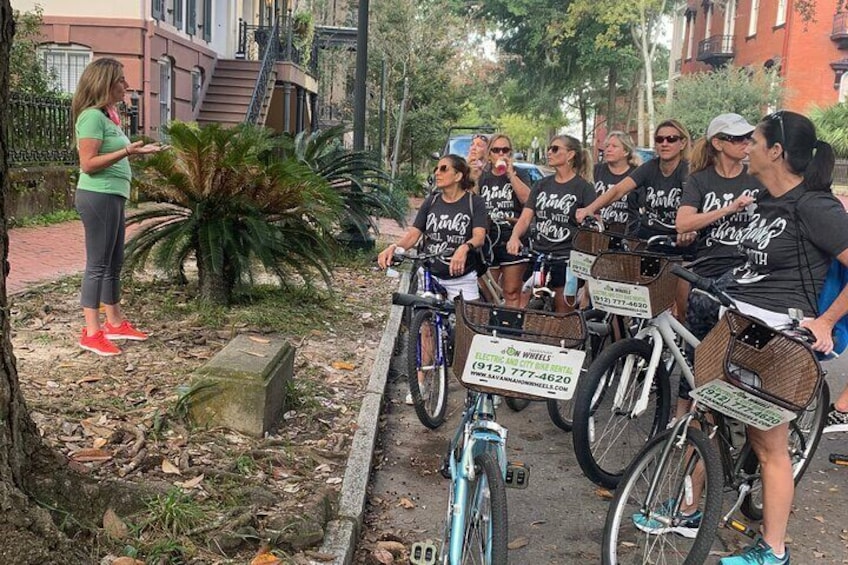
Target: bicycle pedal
423	553
444	470
742	528
517	475
839	459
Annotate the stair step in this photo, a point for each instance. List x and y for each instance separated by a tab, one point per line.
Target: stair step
225	107
225	90
241	98
241	74
227	81
238	64
225	116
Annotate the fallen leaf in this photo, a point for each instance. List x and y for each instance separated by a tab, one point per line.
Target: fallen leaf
266	559
89	379
169	468
334	480
100	442
114	526
518	543
84	455
291	489
819	519
343	365
191	483
252	353
127	561
259	339
382	556
606	494
406	503
394	547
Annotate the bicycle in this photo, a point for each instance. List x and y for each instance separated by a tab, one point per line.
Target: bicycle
744	371
491	343
429	341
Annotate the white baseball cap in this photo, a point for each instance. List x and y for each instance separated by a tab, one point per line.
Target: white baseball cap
729	124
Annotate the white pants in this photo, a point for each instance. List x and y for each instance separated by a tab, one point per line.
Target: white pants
466	284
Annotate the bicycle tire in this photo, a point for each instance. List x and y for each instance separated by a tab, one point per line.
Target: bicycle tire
805	433
486	507
409	311
561	412
432	407
625	544
600	444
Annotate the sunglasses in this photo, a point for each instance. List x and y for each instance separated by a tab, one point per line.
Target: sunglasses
443	168
667	138
733	138
480	136
501	150
779	117
554	148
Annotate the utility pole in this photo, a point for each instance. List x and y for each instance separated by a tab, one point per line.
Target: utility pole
361	78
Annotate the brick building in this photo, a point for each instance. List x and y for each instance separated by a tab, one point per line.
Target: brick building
812	56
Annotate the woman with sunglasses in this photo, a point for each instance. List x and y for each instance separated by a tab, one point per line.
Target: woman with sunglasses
619	161
716	203
504	189
658	184
552	204
797	229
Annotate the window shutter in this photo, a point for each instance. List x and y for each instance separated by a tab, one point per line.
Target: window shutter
191	17
157	8
178	14
207	20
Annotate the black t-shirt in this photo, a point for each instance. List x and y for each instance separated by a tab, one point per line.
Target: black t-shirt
554	205
447	225
501	202
658	197
707	191
621	212
789	245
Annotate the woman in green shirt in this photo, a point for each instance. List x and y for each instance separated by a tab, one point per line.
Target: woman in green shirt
102	191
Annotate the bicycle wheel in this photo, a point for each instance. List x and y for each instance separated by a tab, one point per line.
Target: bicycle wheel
606	436
430	394
805	432
561	412
485	540
638	530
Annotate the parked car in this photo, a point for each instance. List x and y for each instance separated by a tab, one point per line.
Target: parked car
459	140
535	172
645	153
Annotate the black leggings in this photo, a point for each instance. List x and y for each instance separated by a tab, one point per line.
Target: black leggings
103	220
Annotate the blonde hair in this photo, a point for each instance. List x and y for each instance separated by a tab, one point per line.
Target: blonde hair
704	155
95	84
492	141
633	158
684	154
582	162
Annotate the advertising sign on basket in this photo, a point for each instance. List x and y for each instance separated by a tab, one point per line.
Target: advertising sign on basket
741	405
537	369
620	298
581	264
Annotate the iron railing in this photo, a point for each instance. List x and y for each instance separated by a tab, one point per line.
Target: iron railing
253	38
840	30
715	45
270	50
40	129
840	173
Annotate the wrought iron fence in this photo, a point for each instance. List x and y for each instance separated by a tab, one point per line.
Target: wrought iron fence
39	129
269	56
840	173
253	38
717	44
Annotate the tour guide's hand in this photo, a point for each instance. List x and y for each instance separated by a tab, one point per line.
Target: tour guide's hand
513	246
823	330
740	203
457	264
385	256
580	215
684	239
139	148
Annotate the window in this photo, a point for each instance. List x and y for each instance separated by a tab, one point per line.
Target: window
178	11
166	89
691	40
843	88
708	26
755	13
158	9
196	86
781	13
65	64
191	17
207	20
729	17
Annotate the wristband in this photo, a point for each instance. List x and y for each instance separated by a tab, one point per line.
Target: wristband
470	246
127	150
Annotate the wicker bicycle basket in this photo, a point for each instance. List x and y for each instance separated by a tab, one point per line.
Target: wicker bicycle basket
650	270
766	362
472	318
592	242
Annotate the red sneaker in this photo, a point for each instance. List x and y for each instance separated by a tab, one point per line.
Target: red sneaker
124	331
98	343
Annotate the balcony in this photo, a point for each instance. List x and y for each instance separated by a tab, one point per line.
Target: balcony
839	35
716	51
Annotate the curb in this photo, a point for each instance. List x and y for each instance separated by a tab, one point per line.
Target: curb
342	533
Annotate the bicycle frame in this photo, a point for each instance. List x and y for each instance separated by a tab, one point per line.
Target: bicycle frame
661	331
477	433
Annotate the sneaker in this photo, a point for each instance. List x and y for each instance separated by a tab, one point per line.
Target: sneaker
836	421
684	524
124	331
760	553
98	343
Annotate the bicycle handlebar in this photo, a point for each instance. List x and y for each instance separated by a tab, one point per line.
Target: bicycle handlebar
400	255
704	284
669	240
404	299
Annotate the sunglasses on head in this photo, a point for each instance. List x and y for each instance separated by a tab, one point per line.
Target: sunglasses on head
443	168
480	136
667	138
779	117
555	148
733	138
501	150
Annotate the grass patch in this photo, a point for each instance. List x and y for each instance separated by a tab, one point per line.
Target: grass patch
57	217
174	513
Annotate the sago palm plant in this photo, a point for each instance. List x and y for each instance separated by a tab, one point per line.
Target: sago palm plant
223	198
832	126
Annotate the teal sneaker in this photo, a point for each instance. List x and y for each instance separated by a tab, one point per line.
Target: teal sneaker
758	554
685	525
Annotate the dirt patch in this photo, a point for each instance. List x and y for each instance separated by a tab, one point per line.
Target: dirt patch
214	496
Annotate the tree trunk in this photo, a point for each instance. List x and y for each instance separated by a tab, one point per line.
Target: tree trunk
27	532
612	78
213	283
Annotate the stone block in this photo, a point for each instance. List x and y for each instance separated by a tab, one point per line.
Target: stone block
243	387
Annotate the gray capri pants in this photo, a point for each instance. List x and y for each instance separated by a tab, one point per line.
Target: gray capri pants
103	220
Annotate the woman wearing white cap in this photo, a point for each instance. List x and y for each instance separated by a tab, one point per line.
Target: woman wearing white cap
717	202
